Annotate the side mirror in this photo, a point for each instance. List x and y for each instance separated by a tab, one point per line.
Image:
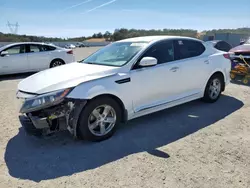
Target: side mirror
148	61
4	53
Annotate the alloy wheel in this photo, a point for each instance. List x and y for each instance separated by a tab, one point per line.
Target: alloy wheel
102	120
215	88
56	63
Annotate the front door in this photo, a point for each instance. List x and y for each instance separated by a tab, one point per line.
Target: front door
156	85
15	61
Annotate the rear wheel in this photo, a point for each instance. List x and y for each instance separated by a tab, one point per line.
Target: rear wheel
232	76
56	63
213	89
245	81
99	119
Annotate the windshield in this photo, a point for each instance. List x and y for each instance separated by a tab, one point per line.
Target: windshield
116	54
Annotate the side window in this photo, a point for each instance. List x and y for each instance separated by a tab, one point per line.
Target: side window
16	50
35	48
187	48
223	46
218	46
163	52
48	48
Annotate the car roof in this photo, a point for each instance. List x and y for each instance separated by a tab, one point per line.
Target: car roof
213	42
155	38
18	43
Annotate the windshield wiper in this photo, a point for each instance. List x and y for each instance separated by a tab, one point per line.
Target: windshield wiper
92	63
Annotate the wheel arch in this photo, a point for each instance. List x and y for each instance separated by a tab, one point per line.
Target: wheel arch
222	75
90	91
124	115
55	60
119	102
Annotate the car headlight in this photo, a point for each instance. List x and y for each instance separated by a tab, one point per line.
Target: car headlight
44	101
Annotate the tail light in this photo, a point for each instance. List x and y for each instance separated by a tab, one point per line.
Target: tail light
227	56
70	52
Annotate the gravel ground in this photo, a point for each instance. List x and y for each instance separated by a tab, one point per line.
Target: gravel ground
193	145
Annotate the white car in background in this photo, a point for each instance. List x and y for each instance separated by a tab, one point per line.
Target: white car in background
122	81
70	46
32	57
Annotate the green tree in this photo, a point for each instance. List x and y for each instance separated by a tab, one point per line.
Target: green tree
99	35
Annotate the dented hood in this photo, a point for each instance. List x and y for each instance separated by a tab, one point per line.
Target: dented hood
62	77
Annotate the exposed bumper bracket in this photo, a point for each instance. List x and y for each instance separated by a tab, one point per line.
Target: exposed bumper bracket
73	117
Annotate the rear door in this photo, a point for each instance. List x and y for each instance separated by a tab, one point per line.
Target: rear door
195	66
15	61
38	58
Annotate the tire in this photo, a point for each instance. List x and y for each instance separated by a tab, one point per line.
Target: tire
232	76
56	63
208	96
87	119
245	81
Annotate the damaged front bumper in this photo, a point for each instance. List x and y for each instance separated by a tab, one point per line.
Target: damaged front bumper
63	116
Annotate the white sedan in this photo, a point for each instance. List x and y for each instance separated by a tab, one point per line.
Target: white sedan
32	57
122	81
70	46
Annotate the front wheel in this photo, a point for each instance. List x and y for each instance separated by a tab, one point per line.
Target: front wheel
99	119
213	89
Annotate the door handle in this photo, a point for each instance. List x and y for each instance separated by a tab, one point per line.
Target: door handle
174	69
206	62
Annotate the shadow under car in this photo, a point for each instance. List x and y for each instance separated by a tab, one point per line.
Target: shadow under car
37	159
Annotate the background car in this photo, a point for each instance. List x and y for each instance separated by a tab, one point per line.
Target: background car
32	57
245	47
70	46
241	51
221	45
81	45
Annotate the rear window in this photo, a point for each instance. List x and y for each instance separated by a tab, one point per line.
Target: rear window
187	49
48	48
223	46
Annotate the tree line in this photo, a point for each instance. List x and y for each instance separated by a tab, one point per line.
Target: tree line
121	33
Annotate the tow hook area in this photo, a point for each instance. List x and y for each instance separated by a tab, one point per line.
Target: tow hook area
51	120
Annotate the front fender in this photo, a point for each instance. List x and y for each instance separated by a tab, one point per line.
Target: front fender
106	86
85	91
